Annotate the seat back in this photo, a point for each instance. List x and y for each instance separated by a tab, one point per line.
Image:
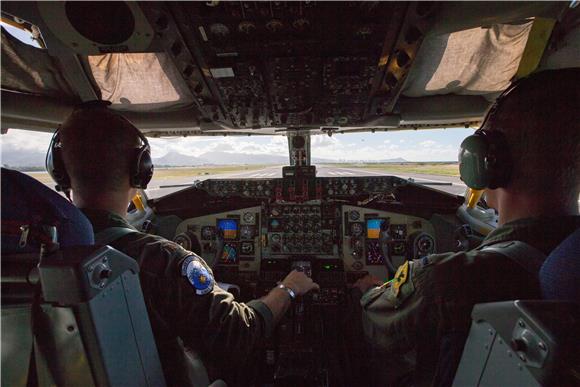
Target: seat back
530	343
33	214
560	273
522	343
27	202
76	316
99	288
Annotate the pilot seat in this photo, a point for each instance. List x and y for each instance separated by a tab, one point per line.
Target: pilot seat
529	343
72	312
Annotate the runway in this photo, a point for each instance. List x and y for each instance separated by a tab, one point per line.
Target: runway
444	183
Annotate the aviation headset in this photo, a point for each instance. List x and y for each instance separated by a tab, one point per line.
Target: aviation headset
484	157
141	164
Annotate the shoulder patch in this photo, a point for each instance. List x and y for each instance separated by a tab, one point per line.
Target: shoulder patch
197	275
401	277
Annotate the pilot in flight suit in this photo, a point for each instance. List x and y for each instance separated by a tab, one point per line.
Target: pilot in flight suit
185	306
432	297
423	315
229	332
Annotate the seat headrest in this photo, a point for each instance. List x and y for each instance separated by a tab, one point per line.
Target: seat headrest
26	201
560	273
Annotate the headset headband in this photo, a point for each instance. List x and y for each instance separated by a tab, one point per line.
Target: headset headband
141	167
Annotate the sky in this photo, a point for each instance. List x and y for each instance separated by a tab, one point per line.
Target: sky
420	145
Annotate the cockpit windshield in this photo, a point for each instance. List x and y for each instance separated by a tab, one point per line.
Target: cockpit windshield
426	157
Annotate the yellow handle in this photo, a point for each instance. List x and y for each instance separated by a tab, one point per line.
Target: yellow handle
138	202
473	197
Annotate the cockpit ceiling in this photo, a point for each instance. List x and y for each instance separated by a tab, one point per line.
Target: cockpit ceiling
214	68
478	61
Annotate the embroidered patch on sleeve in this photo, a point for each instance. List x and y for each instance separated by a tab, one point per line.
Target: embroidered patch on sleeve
197	275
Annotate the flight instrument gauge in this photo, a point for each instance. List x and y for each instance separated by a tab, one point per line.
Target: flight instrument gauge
208	233
183	240
423	245
356	229
399	248
247	232
399	231
354	215
249	217
188	240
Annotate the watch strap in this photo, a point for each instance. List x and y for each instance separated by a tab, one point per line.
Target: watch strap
288	290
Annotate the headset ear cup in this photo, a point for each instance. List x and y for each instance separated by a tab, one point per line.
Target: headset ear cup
484	160
473	167
142	168
55	165
499	162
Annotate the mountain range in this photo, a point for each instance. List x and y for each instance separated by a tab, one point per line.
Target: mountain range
35	159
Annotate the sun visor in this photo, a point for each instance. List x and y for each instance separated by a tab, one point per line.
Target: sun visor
478	61
32	70
140	81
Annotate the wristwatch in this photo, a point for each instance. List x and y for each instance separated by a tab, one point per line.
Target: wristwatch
290	291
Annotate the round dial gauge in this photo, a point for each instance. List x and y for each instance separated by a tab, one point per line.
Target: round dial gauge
275	238
356	229
425	245
219	29
354	215
249	217
183	240
247	248
399	248
208	232
247	232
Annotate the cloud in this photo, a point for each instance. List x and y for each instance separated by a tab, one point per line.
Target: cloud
428	143
25	140
363	146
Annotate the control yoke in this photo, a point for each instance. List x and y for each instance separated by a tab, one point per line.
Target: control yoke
384	239
219	247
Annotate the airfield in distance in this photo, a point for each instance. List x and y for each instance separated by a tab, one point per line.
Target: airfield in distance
163	184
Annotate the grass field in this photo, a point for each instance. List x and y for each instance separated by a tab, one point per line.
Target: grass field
175	173
442	169
445	169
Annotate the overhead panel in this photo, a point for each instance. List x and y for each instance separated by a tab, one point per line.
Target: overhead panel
281	64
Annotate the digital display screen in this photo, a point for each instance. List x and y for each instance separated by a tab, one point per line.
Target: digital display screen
229	228
229	254
374	228
275	225
399	231
374	254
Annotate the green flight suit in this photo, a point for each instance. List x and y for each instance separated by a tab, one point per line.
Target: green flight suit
435	294
224	332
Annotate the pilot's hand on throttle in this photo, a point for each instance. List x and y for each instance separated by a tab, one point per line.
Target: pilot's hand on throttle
300	283
367	282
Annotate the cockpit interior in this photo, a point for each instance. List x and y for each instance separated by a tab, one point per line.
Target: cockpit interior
296	69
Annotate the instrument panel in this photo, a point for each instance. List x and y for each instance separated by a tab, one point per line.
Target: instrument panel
318	188
370	235
358	237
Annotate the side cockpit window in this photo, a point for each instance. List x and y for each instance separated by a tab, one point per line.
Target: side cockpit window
26	65
22	30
